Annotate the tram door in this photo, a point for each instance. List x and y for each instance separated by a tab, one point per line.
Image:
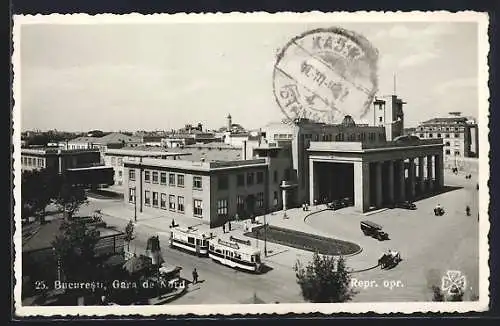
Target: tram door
198	244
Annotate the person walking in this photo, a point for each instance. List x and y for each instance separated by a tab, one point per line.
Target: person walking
224	228
195	276
467	210
229	225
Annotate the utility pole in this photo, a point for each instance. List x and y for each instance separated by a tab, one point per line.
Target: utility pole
135	204
265	236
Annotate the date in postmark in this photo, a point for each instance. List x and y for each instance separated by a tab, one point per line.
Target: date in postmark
325	74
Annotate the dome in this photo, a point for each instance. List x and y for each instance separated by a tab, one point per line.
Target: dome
348	121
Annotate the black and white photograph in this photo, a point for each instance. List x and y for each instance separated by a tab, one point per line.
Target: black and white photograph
251	163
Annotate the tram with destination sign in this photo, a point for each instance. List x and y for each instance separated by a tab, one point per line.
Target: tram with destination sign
235	253
190	239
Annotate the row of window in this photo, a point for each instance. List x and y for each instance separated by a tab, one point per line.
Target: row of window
33	161
161	178
439	135
251	179
441	128
174	203
448	152
456	143
372	136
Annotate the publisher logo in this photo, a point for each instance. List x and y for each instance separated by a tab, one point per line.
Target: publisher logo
453	282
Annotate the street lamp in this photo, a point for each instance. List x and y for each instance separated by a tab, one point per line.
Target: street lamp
135	204
265	236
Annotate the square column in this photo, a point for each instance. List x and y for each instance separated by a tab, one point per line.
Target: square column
361	186
378	184
411	177
429	172
390	181
421	174
401	180
438	166
313	183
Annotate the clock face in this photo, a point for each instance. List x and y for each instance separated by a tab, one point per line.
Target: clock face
326	74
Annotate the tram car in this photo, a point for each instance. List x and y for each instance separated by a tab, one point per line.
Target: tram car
191	239
235	253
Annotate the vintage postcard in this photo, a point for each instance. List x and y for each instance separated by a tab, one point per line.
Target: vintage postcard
251	163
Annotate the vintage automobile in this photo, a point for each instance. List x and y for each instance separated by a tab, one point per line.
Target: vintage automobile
340	203
389	260
374	230
438	211
406	205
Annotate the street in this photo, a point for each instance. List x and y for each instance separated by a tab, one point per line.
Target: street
218	284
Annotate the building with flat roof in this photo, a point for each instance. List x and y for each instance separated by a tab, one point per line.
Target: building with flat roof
114	158
291	164
81	166
459	135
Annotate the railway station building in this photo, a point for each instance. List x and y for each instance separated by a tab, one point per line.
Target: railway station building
301	162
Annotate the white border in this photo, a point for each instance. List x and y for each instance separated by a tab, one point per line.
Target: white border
261	17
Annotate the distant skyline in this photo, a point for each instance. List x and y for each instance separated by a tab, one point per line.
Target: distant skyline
163	76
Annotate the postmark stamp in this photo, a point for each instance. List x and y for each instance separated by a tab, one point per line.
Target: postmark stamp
325	74
322	74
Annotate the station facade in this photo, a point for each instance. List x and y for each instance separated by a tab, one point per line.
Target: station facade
301	162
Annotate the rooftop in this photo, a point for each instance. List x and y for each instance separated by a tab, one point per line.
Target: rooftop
112	138
198	166
142	152
450	120
400	142
56	151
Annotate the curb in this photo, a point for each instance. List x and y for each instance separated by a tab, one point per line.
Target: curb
347	256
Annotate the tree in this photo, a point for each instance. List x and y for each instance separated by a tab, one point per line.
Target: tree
70	198
75	249
129	233
38	188
324	279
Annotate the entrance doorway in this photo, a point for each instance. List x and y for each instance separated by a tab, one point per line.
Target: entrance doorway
335	181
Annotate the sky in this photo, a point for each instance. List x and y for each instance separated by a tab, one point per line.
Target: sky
163	76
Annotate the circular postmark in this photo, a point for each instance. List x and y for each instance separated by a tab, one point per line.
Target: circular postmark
325	74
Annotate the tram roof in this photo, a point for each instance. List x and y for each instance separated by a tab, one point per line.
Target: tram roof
196	230
229	242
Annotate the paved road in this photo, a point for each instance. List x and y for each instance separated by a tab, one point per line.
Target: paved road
220	284
430	245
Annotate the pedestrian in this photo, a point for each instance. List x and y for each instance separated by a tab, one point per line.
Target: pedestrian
467	210
195	276
229	225
173	223
224	228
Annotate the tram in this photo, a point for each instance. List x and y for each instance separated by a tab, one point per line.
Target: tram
235	253
190	239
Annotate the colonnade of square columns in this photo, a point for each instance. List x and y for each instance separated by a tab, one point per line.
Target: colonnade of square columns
386	182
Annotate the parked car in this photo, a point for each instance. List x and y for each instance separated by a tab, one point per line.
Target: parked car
374	230
406	205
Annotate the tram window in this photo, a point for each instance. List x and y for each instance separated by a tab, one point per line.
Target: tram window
252	259
191	240
218	251
212	248
257	259
237	256
198	241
